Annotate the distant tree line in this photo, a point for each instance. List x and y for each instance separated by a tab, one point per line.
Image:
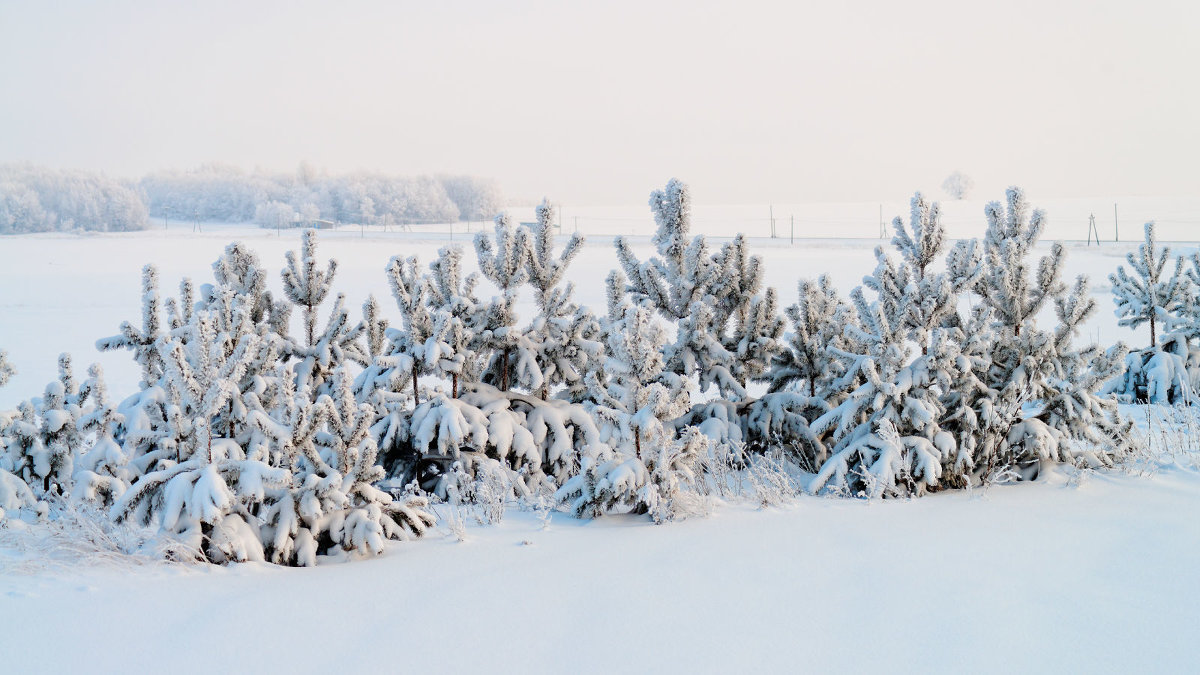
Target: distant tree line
38	199
228	194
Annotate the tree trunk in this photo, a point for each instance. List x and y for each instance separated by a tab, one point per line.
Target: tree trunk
812	387
504	370
1153	341
637	441
416	394
454	377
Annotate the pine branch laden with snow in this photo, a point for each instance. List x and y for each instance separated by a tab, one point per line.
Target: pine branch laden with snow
538	442
333	346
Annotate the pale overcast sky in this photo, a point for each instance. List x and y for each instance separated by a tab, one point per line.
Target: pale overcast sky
600	102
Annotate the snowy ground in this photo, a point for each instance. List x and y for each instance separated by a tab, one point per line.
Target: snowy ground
1092	573
1038	577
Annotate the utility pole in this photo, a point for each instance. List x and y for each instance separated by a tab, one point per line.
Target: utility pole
772	221
1116	226
882	231
1091	229
793	229
166	214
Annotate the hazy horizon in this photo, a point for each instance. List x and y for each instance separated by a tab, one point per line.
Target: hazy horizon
599	105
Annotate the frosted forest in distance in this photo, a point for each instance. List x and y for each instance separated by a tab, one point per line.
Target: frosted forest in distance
681	395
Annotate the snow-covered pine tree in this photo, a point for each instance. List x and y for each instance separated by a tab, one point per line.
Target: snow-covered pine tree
1146	296
210	493
930	297
305	284
15	495
818	320
886	434
701	292
142	341
42	441
566	335
484	427
6	368
321	352
1154	374
103	472
450	351
409	345
240	271
1036	377
649	468
333	508
503	260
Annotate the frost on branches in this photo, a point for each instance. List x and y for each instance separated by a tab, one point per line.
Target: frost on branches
644	466
245	442
1161	373
989	390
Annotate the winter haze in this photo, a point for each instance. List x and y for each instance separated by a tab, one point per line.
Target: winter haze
751	103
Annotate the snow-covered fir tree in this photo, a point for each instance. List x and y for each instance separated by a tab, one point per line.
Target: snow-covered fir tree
1147	295
703	293
566	336
410	346
818	320
649	469
305	284
503	260
1159	373
15	494
1037	375
142	341
103	472
450	352
6	368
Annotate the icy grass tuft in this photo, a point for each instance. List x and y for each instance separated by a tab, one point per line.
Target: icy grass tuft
74	535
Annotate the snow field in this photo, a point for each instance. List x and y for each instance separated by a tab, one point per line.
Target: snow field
1092	576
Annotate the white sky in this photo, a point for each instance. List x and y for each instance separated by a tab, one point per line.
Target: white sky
600	102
